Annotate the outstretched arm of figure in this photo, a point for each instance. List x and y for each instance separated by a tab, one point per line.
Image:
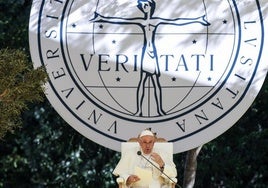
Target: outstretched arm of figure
116	20
185	21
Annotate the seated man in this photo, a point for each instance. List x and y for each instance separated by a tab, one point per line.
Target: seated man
163	165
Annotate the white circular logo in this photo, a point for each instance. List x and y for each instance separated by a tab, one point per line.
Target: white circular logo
187	71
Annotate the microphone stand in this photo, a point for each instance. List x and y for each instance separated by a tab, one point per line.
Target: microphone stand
139	153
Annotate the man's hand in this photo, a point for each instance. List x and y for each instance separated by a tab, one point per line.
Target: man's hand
157	158
132	179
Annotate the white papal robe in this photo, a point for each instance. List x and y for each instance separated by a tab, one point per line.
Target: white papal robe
131	159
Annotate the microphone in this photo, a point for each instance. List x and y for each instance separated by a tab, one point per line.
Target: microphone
140	154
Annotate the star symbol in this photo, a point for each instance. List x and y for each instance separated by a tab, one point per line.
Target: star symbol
118	79
209	78
174	79
114	41
224	21
101	26
194	41
74	25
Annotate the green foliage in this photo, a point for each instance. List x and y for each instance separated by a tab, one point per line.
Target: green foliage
49	153
14	16
19	85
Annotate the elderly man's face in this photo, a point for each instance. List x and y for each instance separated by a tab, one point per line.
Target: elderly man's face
147	143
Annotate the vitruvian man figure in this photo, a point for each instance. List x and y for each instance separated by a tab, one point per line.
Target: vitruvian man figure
149	58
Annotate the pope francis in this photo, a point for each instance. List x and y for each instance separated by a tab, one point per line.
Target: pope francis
146	167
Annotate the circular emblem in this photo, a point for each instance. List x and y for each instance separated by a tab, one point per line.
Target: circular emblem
187	71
